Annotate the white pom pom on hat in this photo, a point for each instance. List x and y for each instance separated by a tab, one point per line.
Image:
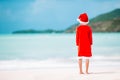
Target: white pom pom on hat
83	19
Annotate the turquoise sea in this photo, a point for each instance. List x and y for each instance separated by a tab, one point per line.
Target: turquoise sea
41	50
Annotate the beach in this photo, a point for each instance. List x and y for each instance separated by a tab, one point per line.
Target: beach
70	73
54	57
99	69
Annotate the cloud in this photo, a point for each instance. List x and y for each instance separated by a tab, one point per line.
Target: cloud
37	6
42	5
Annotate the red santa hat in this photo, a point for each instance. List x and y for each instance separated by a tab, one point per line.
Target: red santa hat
83	19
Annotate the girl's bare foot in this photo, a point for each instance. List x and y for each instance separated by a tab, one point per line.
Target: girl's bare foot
81	73
87	73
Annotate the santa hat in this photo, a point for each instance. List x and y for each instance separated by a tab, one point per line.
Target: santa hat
83	19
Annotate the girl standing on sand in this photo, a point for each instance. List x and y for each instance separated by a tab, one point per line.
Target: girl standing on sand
83	41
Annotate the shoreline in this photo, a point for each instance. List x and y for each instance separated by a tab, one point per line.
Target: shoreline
57	63
59	69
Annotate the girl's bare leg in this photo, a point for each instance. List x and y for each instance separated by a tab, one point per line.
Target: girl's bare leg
80	66
87	65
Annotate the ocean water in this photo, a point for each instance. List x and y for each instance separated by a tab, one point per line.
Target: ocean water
54	50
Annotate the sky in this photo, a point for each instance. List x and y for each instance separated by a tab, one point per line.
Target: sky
49	14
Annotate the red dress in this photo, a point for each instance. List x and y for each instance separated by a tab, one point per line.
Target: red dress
84	40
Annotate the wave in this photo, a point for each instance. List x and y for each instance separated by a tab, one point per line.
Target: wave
57	63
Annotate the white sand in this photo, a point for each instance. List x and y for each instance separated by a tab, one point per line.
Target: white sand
71	73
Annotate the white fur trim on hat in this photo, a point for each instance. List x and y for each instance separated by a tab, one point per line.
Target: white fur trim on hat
81	22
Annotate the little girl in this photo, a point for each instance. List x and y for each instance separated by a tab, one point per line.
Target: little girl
83	41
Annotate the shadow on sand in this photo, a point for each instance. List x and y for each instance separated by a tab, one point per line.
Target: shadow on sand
102	72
